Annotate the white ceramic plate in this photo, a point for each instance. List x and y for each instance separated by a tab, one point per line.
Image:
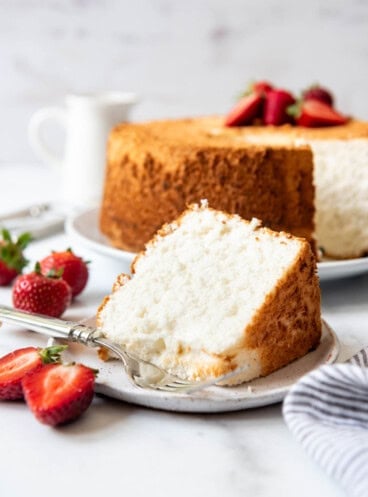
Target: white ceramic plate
112	382
84	227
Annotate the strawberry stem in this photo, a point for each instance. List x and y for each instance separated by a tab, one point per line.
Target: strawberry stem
23	240
52	355
52	273
37	268
55	273
293	110
6	235
11	253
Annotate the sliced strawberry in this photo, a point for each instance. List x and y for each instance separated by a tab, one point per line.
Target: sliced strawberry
275	109
315	114
16	365
259	87
48	295
57	394
262	87
12	260
74	269
317	92
248	108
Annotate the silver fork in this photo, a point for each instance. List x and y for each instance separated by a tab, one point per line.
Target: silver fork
140	372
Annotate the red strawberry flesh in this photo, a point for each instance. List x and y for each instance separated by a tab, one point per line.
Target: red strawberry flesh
262	87
58	394
314	114
247	109
13	367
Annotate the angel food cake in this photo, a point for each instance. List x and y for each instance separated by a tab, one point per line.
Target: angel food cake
306	174
212	293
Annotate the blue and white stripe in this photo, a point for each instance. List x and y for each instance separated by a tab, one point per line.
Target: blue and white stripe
327	412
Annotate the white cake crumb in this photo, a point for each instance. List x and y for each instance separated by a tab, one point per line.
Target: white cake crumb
255	224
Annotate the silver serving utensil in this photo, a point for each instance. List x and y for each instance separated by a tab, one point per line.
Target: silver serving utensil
46	229
33	211
39	220
142	373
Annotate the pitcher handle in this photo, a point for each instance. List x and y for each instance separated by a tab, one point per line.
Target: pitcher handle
35	138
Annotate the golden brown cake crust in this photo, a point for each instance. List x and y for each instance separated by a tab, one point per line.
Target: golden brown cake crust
293	326
156	169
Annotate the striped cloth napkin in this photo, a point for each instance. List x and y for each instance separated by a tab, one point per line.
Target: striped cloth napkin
327	412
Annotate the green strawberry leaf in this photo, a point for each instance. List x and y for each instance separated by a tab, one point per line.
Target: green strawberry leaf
11	253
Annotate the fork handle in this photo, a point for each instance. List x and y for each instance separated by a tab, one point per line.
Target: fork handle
53	327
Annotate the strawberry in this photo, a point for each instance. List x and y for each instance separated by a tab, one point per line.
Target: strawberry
259	87
248	108
19	363
12	260
74	269
262	87
35	292
318	93
57	393
275	109
7	274
314	114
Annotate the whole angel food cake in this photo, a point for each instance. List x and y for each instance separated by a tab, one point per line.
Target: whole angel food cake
212	293
307	175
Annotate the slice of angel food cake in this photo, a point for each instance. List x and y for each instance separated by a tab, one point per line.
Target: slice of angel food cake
212	293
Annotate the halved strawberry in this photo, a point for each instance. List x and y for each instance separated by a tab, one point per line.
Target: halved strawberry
12	260
19	363
259	87
315	114
275	108
248	108
262	87
57	394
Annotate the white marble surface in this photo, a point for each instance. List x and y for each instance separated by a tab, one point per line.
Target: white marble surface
117	448
183	57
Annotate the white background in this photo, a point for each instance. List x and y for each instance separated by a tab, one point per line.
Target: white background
184	57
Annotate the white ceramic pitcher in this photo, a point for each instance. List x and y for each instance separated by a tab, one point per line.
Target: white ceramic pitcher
88	119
